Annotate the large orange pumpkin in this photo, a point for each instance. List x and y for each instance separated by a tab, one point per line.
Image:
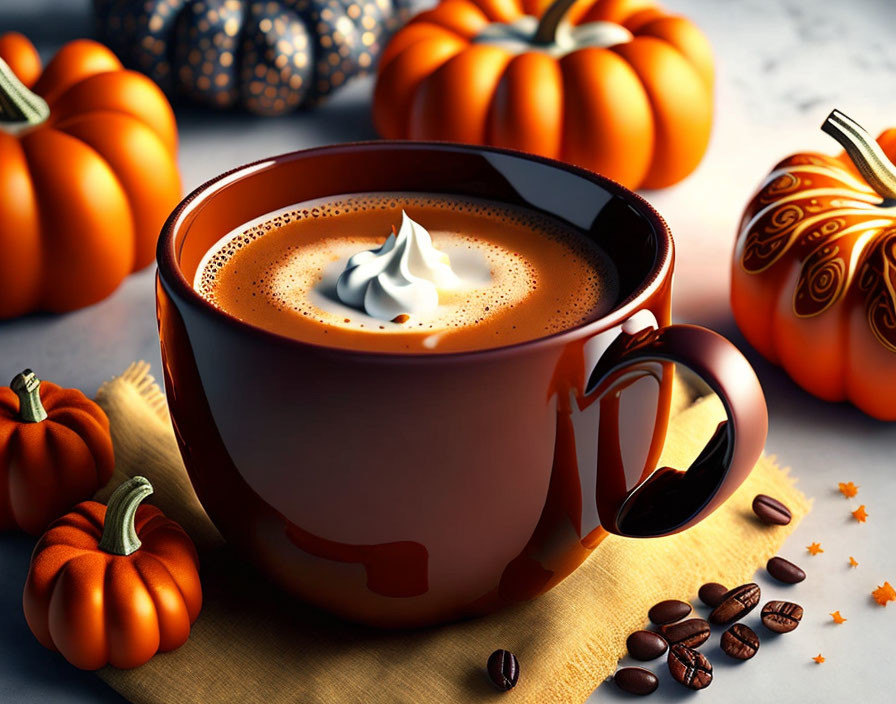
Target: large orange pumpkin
88	175
617	86
814	274
113	585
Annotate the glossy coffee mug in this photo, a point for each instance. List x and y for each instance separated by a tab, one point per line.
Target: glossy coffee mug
402	489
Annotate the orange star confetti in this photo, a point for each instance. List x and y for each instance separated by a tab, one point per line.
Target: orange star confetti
819	658
860	514
837	617
814	548
852	562
848	489
884	594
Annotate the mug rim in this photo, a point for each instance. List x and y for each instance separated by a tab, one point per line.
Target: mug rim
171	275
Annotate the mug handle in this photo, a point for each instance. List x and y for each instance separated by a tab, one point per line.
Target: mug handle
669	500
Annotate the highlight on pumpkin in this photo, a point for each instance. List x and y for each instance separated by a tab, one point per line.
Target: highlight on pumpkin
832	219
595	84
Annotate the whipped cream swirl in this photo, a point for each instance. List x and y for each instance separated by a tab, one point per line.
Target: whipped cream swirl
403	276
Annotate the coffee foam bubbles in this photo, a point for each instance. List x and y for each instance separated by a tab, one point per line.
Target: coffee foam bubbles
492	279
301	279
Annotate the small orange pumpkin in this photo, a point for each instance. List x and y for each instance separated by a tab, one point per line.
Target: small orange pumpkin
813	284
113	585
617	86
88	175
55	450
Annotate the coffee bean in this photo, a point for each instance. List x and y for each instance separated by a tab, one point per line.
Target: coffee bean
740	642
646	645
785	571
711	593
690	668
771	510
503	669
736	604
636	680
691	633
781	616
668	611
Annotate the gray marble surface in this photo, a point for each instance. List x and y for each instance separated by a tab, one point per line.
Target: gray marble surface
782	65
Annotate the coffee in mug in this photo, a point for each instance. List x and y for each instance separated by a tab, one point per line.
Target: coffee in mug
409	272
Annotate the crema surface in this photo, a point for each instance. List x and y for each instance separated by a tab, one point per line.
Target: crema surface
523	275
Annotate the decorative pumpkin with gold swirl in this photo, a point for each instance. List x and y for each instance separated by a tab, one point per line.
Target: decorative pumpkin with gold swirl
266	56
814	273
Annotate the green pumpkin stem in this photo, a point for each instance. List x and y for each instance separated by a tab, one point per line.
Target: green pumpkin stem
18	105
119	534
27	387
550	20
865	153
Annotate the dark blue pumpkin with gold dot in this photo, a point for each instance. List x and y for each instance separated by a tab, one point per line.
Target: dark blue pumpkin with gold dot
267	56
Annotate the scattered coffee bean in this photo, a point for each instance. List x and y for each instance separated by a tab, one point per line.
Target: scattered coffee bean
636	680
785	571
736	604
668	611
503	669
771	510
646	645
712	593
690	668
691	633
740	642
781	616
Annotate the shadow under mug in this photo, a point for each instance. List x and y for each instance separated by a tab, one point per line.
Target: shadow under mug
402	489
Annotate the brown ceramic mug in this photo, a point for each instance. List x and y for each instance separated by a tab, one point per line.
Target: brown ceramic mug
402	489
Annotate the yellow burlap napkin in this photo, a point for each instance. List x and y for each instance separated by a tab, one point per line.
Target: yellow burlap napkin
254	644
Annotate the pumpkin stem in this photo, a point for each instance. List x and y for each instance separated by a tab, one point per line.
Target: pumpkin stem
119	535
18	105
27	387
550	20
865	153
